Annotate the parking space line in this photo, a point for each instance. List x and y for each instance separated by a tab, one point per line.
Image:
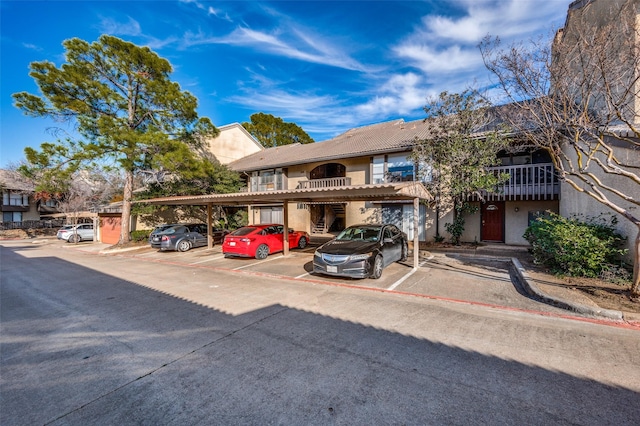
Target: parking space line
256	263
208	259
407	275
302	276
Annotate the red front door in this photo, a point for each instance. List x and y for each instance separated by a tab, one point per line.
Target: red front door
492	216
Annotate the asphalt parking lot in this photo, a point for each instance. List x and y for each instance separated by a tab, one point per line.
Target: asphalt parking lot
146	337
481	281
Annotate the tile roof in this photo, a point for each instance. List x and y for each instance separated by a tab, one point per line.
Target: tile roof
390	136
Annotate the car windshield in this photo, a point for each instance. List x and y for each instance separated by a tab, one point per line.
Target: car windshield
360	233
244	231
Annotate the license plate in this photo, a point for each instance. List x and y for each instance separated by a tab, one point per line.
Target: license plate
232	243
333	269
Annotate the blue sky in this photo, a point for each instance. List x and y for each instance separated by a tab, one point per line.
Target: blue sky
327	66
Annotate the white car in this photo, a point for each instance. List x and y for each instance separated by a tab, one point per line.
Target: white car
76	233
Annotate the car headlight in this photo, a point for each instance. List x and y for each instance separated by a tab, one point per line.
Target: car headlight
364	256
317	253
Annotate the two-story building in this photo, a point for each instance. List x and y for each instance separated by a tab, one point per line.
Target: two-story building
380	154
19	206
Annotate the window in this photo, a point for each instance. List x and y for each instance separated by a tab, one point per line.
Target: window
267	180
392	168
400	168
12	216
14	199
271	215
378	170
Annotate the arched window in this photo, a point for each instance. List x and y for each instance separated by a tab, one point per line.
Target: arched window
329	170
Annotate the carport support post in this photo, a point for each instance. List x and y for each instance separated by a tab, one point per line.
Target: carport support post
416	233
285	231
209	225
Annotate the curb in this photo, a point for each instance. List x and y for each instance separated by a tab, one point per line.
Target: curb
534	291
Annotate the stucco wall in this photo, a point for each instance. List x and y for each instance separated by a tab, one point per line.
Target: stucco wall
32	213
515	222
299	218
232	143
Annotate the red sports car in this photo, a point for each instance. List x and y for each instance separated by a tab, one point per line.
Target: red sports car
260	240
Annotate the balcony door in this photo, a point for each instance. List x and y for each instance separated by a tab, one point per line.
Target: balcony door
492	216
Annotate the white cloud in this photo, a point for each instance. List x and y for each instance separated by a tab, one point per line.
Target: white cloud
318	114
402	94
430	60
506	18
208	9
129	28
294	44
132	28
32	47
442	45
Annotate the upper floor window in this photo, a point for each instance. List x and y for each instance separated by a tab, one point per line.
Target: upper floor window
400	168
267	180
395	168
14	199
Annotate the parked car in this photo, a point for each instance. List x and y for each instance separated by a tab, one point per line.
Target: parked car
183	237
261	240
154	235
361	251
76	233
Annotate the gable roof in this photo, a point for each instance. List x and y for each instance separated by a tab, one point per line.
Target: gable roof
243	130
390	136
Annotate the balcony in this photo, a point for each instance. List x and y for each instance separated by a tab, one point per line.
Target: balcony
266	183
526	182
324	183
14	208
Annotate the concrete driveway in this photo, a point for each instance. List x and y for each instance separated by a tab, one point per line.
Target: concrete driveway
438	275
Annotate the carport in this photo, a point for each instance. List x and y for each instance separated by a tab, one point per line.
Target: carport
390	192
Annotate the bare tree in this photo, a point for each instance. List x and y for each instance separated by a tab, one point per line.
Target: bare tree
578	97
464	140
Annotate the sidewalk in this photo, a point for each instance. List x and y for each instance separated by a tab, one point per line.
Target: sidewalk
555	295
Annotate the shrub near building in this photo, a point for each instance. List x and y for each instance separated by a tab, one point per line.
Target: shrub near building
571	247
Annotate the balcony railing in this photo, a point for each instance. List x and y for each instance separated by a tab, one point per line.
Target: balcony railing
324	183
526	182
266	183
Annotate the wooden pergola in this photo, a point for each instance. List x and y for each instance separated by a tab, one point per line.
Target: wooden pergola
390	192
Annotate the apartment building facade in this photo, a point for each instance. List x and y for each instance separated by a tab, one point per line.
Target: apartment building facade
380	154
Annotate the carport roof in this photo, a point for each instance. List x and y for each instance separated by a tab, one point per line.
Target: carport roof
381	192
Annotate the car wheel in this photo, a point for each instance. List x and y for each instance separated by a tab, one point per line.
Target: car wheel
262	252
183	245
405	252
74	238
377	268
302	243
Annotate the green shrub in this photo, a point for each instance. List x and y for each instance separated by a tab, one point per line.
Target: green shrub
456	228
575	248
142	235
